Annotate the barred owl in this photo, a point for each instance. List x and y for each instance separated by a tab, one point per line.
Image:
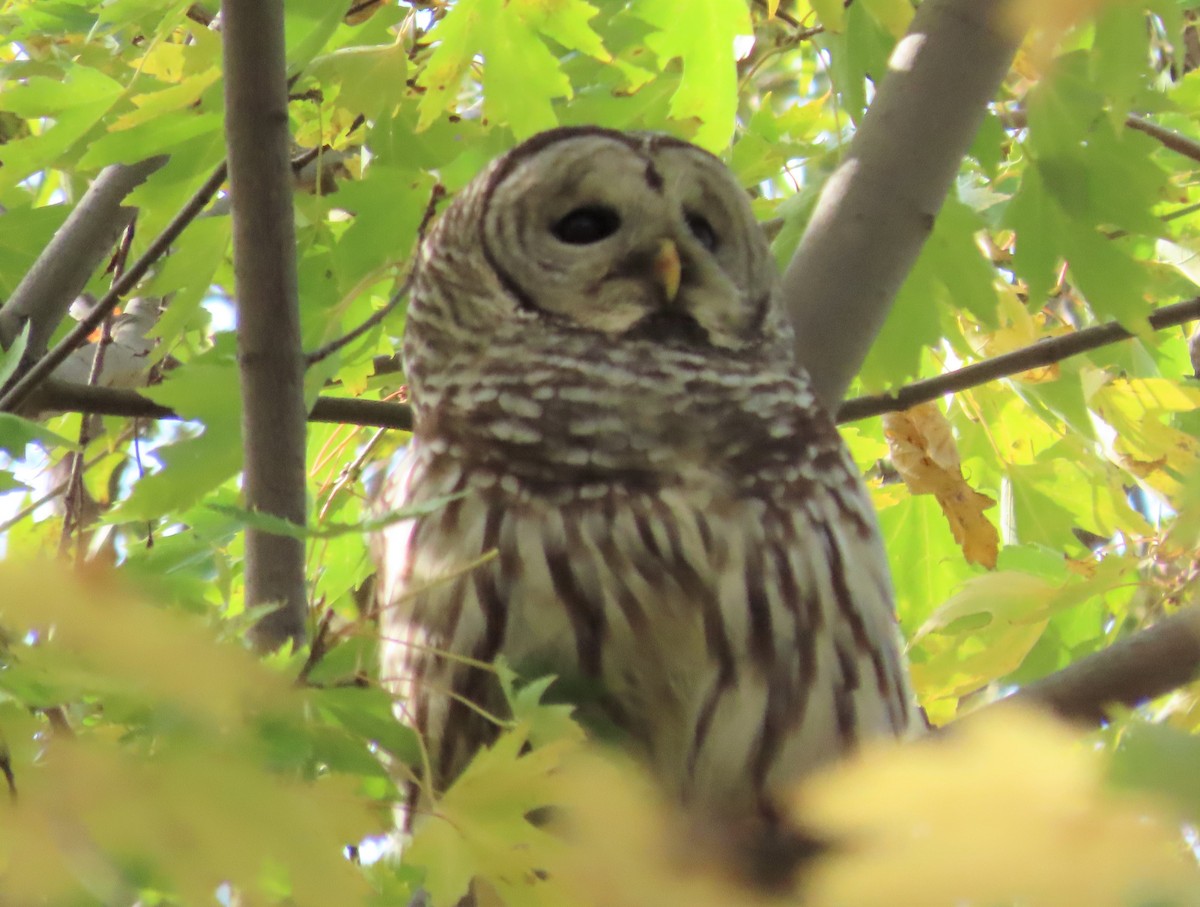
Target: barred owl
602	375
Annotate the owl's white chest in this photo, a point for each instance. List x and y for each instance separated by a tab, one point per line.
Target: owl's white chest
704	625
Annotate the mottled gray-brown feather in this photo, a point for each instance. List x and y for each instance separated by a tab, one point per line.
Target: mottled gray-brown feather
676	523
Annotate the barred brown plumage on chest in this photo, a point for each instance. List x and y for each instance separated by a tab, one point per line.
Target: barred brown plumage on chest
602	375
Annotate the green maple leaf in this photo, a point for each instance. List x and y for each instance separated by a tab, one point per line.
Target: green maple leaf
703	42
521	74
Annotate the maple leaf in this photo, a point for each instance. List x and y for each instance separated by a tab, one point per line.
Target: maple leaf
925	455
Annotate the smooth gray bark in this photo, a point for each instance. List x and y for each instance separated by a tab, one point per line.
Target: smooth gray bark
1129	673
85	239
878	208
269	353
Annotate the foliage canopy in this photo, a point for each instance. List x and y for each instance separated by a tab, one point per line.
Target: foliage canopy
1030	521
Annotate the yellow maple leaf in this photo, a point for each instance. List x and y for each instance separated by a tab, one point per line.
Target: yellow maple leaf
480	832
1010	807
1055	17
193	801
630	848
1019	328
926	456
99	628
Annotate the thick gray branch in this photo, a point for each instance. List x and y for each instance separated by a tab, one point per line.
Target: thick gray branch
60	273
879	206
269	352
1142	666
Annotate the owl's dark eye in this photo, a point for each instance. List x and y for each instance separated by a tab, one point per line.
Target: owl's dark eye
703	231
587	225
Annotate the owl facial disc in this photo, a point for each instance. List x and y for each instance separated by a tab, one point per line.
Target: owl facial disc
631	236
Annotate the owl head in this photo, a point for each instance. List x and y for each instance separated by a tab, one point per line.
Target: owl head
631	237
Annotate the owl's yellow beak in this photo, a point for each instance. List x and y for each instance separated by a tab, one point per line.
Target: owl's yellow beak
667	268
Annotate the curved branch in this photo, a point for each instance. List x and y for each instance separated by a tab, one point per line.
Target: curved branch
1144	665
65	266
43	367
877	209
1044	352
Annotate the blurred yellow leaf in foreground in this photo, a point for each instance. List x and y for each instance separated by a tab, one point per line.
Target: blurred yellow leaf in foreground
1008	808
171	775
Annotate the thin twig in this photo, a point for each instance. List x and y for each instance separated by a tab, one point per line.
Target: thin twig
1043	353
1165	137
44	294
73	513
350	473
6	769
43	367
1189	148
319	649
324	352
110	401
29	509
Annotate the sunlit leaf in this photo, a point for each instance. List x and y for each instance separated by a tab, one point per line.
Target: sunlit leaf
971	818
266	522
10	359
480	826
924	453
521	75
208	392
703	43
16	433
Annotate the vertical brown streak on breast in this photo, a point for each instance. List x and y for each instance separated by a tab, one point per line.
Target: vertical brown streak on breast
653	178
778	716
892	685
721	683
450	601
702	527
584	610
411	549
779	548
843	694
467	683
616	566
898	708
700	593
841	593
806	663
758	609
416	707
787	696
641	521
449	516
492	602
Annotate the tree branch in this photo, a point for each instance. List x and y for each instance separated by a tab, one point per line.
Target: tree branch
1165	137
1044	352
270	357
85	239
63	395
878	208
43	367
109	401
1146	664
